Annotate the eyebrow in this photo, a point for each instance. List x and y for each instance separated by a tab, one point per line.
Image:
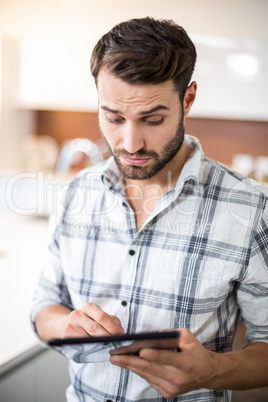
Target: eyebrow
144	113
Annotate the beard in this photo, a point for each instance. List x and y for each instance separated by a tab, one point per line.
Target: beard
160	160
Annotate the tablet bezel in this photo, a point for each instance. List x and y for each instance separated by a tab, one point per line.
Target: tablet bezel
113	338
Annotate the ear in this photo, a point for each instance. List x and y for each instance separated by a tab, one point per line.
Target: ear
189	97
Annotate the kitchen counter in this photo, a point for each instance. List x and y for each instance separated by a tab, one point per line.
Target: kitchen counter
23	244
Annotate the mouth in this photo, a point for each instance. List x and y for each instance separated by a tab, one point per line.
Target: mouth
135	161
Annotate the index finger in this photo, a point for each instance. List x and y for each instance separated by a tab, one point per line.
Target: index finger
110	323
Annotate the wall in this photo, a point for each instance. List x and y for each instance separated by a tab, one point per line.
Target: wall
15	123
91	18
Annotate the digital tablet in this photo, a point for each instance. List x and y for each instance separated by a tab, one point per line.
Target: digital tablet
98	349
113	338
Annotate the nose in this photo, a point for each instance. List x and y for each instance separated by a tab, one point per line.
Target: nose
133	140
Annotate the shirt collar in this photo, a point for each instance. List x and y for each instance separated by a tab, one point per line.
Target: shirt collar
111	177
192	167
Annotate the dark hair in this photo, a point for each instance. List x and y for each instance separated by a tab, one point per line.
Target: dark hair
146	51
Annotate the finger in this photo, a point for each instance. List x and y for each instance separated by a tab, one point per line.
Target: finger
161	356
110	324
70	332
151	372
148	362
135	364
116	320
80	323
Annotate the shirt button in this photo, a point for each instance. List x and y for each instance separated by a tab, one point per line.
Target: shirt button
131	252
124	303
124	204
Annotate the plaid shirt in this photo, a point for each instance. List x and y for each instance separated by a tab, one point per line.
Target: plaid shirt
198	262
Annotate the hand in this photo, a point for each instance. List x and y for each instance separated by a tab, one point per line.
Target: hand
91	320
171	373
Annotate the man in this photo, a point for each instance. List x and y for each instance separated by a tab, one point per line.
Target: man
156	238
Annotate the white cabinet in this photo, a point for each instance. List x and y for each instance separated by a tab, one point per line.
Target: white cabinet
231	74
15	124
23	245
55	74
232	78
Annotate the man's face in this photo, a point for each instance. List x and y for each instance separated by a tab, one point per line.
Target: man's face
142	124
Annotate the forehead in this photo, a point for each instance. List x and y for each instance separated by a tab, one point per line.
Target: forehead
120	95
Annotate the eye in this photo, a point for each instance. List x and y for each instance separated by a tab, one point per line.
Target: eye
114	118
153	120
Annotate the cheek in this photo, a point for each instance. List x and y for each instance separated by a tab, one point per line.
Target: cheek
160	138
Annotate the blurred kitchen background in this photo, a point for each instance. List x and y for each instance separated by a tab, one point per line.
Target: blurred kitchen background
49	131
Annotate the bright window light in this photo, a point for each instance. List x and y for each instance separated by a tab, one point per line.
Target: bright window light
245	65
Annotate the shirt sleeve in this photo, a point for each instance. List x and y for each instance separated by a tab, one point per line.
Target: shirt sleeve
253	289
51	288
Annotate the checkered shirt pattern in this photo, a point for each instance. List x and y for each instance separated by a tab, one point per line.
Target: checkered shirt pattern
198	262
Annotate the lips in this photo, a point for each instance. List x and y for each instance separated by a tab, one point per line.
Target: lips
136	161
